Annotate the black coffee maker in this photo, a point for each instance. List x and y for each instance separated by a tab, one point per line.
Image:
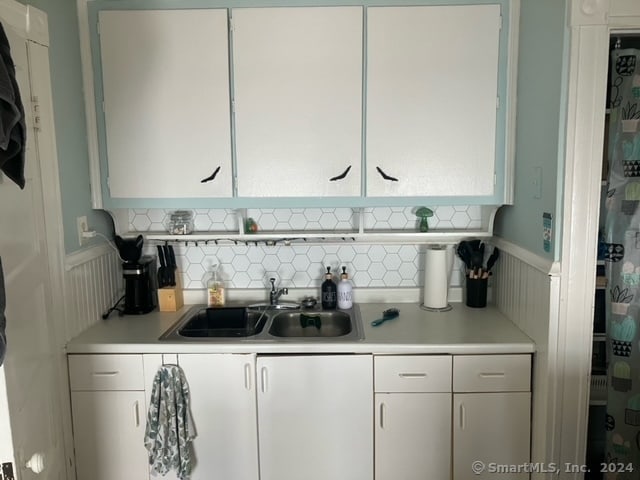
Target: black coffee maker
139	277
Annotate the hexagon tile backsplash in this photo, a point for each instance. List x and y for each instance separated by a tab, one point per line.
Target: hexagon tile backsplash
304	265
315	219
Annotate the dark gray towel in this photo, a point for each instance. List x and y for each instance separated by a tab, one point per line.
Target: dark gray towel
13	132
3	320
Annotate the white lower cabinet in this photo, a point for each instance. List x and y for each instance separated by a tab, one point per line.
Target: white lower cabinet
413	436
412	417
107	400
491	428
223	407
315	417
491	416
108	431
436	416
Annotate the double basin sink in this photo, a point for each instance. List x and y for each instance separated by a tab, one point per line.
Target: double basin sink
266	322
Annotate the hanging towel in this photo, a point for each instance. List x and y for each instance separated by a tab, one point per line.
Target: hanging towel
170	429
13	132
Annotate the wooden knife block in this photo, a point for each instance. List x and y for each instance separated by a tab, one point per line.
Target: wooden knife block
170	299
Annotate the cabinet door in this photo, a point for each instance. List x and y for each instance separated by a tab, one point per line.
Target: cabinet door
315	417
492	428
108	434
298	101
165	78
412	436
432	82
223	406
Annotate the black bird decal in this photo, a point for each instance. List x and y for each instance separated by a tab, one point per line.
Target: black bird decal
385	176
341	176
210	177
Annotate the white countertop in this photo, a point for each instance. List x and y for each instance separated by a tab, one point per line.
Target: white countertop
462	330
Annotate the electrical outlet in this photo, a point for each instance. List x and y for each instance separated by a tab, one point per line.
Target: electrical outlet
83	226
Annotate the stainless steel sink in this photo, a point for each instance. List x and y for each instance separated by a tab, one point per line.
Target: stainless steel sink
224	322
311	324
255	322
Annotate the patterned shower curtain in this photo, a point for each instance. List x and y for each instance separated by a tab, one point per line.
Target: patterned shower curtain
622	260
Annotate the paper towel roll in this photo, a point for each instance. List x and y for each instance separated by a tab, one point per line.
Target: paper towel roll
437	270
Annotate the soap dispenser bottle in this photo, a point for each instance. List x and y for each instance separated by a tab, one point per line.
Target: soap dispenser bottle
345	291
329	292
215	289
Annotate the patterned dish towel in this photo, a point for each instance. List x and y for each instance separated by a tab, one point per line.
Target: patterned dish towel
170	429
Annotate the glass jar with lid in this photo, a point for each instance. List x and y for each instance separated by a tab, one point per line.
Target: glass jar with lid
180	222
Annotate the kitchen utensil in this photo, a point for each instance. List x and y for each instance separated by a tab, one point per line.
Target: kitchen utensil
162	268
474	244
172	265
477	256
463	252
492	259
388	314
173	261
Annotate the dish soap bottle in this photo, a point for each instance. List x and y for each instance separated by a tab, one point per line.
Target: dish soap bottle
215	289
329	292
345	291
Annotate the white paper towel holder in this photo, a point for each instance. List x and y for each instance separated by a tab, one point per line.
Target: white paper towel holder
448	264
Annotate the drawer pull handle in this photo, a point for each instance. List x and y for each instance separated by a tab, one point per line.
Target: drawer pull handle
263	374
382	408
247	376
105	374
463	419
412	375
492	375
136	415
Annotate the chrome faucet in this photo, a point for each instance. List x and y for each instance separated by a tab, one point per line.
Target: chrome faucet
275	294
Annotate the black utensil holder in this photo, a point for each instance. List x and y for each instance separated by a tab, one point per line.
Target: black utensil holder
477	292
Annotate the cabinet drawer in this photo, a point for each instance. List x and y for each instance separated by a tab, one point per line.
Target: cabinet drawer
491	373
106	372
409	373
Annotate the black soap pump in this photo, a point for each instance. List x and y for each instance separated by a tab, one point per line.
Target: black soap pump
329	292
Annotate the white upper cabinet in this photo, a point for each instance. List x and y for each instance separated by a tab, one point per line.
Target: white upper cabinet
431	109
314	105
165	79
298	101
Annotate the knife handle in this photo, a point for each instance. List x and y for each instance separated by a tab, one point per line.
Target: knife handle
161	256
172	256
171	265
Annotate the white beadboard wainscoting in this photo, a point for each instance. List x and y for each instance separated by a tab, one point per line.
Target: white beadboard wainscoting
526	288
93	282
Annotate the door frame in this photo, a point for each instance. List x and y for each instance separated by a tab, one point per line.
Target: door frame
32	24
589	26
